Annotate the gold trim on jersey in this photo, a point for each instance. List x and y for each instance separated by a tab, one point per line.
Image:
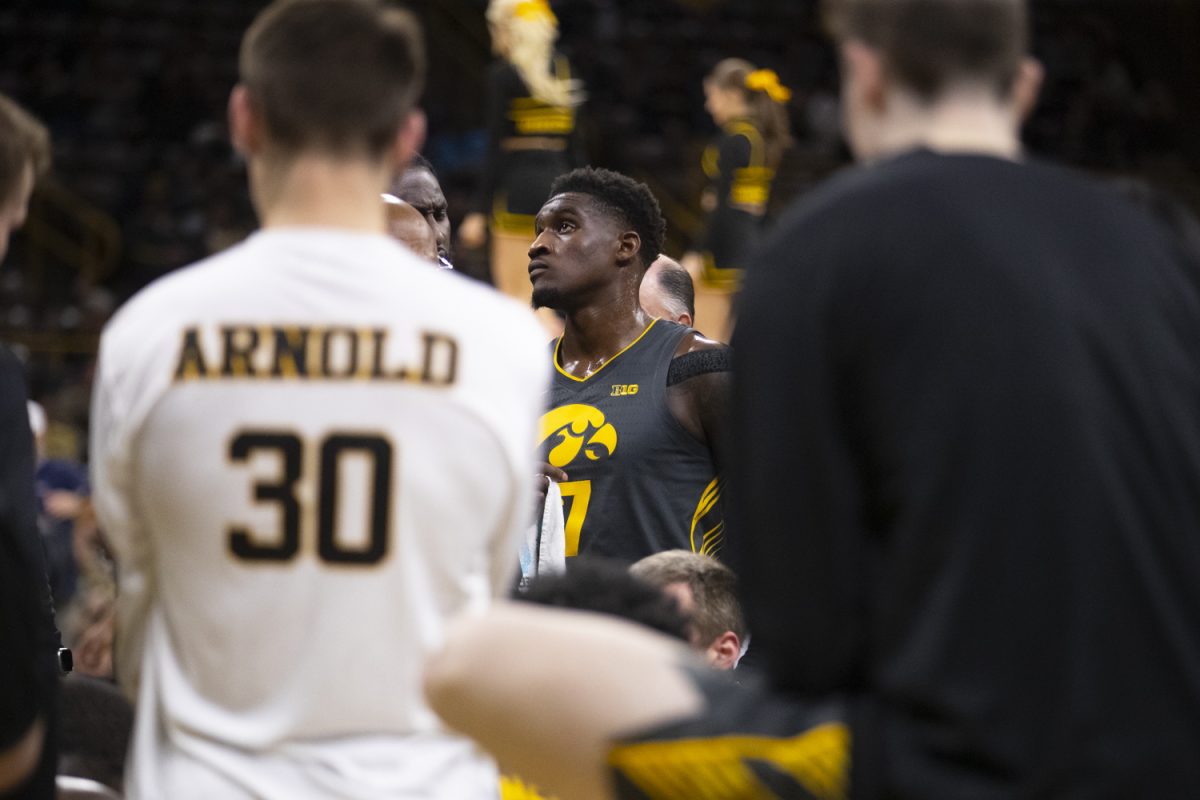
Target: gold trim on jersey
712	538
818	760
513	788
563	372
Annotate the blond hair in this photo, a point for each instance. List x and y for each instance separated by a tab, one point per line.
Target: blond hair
23	142
532	30
713	586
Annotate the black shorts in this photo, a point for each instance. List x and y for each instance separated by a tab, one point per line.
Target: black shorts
747	744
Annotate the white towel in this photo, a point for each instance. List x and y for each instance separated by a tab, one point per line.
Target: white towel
544	547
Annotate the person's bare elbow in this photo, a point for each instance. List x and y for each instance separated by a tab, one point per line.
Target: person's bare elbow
18	761
452	679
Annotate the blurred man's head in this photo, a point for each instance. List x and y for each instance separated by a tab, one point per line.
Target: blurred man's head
406	225
24	156
607	587
917	55
706	591
418	186
667	292
334	79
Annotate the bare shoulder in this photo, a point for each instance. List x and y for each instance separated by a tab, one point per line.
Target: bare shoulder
696	342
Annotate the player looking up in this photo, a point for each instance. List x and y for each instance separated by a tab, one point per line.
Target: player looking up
310	449
637	405
980	377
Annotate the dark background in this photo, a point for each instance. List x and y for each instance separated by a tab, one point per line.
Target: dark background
144	181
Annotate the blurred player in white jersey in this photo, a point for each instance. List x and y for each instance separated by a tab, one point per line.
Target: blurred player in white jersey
311	450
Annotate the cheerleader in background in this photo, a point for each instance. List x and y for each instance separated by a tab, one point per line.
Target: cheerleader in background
750	107
532	102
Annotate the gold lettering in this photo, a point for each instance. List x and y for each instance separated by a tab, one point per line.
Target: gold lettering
350	350
290	359
192	365
439	361
239	344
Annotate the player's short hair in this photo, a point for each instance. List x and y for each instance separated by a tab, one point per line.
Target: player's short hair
713	586
337	76
607	587
23	140
630	200
419	161
931	44
677	285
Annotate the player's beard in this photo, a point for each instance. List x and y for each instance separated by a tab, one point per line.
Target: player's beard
547	297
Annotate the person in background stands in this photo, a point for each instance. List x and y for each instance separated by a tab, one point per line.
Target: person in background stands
749	106
532	108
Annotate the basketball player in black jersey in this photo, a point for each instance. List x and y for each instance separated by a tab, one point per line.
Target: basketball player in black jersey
634	431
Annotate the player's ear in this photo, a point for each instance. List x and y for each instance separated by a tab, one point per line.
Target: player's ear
409	139
628	246
1027	87
245	125
685	319
863	67
725	651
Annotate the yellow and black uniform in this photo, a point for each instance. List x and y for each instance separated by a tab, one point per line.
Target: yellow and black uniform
747	743
530	143
639	482
740	182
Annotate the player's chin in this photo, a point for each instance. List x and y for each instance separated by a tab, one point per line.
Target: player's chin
547	297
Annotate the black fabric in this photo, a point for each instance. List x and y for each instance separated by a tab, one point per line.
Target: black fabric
967	479
28	639
520	179
701	362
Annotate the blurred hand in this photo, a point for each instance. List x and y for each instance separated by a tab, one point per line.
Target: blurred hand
473	231
93	656
62	504
547	473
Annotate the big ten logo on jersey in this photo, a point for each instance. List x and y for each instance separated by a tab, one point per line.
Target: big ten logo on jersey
624	389
314	352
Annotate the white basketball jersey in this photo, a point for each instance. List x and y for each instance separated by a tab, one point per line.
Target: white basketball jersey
309	453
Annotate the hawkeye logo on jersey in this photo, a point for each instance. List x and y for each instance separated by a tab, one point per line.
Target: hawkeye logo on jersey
624	389
314	352
574	429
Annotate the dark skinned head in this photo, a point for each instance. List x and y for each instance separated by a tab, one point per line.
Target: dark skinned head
419	187
596	236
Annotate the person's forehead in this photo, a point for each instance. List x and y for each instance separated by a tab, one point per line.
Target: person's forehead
575	202
420	182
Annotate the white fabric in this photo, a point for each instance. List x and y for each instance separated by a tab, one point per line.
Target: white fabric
544	546
301	678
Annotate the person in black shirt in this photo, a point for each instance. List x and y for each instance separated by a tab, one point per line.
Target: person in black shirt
966	489
28	639
532	104
637	406
749	105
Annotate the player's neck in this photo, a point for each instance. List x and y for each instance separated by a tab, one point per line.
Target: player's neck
594	334
962	122
316	191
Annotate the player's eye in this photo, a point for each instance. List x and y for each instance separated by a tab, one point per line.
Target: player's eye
566	226
439	214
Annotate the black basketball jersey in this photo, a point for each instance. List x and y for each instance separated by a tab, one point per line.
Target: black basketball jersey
639	482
